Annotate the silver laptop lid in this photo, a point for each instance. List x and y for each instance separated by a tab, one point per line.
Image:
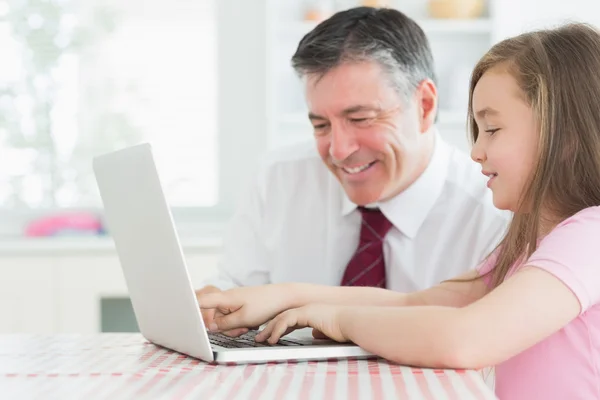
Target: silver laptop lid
141	224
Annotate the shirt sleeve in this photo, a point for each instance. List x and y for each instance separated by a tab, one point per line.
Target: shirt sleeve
571	252
244	260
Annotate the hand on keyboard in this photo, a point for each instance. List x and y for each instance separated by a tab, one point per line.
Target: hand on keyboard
245	340
246	307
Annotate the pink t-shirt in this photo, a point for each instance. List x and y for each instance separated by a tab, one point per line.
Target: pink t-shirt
566	365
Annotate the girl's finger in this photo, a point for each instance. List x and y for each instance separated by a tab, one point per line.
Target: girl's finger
282	326
228	322
236	332
266	332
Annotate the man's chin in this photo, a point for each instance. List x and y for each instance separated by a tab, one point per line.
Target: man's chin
360	193
361	198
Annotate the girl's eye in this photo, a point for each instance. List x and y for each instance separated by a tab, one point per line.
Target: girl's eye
492	131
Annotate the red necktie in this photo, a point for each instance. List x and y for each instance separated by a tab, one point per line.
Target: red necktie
367	266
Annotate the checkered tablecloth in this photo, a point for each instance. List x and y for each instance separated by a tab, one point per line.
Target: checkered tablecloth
125	366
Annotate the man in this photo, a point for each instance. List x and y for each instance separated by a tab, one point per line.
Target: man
382	200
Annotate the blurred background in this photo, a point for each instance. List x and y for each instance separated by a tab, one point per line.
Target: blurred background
209	84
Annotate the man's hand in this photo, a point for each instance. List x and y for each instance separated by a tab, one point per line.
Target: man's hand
245	307
209	314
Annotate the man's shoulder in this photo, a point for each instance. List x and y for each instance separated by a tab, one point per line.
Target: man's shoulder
294	161
300	152
465	176
294	170
468	186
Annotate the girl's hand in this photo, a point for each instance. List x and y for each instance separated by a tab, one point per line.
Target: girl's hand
208	315
324	319
245	307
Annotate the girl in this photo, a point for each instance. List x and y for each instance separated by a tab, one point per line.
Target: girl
532	308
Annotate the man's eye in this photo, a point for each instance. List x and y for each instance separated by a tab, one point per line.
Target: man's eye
360	120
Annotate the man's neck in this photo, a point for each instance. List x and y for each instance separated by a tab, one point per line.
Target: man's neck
427	148
426	153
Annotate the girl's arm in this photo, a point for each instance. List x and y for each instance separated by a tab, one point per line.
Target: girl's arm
528	307
250	306
449	293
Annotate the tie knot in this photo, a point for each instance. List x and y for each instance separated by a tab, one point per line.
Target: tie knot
376	224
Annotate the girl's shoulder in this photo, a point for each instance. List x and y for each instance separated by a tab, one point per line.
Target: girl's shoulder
588	216
571	252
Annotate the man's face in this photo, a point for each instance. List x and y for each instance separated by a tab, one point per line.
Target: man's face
366	133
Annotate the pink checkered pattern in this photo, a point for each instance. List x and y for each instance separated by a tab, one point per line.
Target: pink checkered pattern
125	366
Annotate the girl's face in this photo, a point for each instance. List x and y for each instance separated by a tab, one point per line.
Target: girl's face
506	146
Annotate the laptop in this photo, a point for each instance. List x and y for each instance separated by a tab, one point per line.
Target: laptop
162	295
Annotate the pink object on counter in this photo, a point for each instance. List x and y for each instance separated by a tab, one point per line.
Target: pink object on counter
73	223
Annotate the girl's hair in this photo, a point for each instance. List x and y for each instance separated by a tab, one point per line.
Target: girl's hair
558	72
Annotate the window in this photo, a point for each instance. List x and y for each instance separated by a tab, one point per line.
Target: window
82	78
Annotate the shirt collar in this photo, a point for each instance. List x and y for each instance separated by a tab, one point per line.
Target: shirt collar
408	210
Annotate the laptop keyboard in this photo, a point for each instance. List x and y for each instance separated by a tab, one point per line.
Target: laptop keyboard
246	340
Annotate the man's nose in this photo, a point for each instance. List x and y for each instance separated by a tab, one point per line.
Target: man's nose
343	144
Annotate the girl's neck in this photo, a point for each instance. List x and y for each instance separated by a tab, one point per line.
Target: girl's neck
547	224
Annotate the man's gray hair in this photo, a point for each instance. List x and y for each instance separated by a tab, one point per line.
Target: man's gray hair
365	34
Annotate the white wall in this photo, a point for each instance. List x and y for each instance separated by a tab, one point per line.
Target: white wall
517	16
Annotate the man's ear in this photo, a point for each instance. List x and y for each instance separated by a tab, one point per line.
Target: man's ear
427	103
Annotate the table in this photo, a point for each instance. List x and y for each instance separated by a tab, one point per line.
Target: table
126	366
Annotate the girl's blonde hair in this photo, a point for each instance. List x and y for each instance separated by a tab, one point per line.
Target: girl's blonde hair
558	71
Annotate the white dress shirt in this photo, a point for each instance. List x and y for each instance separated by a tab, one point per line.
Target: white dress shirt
297	224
